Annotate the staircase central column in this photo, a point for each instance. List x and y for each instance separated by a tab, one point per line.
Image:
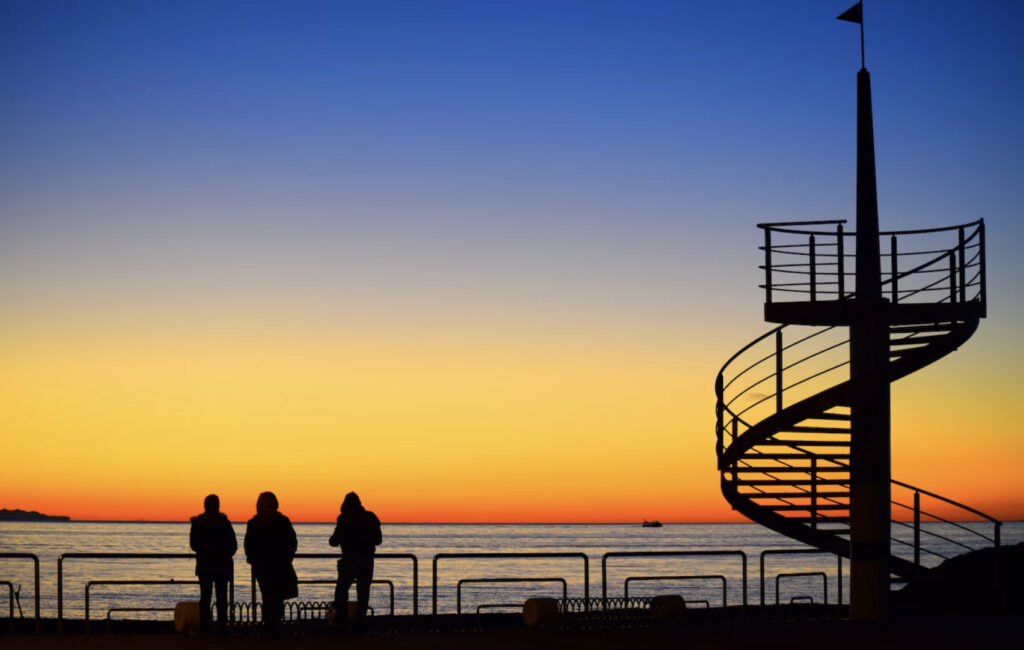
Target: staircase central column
870	472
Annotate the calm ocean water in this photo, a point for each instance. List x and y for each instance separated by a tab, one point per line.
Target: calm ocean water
50	540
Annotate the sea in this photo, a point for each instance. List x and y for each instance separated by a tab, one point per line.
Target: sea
706	566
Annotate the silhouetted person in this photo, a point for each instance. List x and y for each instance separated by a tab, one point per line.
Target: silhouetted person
357	533
213	539
270	545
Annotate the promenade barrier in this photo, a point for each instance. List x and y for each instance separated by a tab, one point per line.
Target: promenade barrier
725	597
458	590
513	556
35	566
250	614
377	557
116	556
802	551
803	574
621	554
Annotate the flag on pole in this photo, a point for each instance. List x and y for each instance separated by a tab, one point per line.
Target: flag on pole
853	15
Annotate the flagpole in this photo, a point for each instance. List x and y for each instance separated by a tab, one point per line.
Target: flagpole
862	64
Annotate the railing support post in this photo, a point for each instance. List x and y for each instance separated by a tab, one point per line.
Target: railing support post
952	277
917	528
778	370
839	579
814	492
962	254
841	256
768	265
894	269
981	258
814	271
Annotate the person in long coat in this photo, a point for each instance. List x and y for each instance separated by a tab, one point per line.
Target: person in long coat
213	540
270	546
357	533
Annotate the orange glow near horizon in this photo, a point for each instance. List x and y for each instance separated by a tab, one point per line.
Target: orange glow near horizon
431	427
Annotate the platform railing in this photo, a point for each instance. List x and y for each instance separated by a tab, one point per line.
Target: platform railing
812	261
35	572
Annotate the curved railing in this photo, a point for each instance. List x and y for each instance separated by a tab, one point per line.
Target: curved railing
779	368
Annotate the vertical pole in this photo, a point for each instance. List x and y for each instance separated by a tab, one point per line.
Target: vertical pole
870	467
252	584
962	254
894	269
839	581
60	594
841	255
952	277
768	265
981	258
917	528
813	272
814	491
778	370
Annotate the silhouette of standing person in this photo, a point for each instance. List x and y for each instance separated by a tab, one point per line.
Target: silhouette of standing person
213	539
357	533
270	546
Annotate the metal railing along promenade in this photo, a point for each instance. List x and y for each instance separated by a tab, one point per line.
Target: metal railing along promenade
378	556
605	602
512	556
707	553
35	569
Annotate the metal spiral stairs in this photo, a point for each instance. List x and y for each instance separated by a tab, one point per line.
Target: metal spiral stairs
783	401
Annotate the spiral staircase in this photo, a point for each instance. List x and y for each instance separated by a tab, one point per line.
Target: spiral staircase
784	400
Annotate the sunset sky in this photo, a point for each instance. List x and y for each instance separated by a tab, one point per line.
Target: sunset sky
478	261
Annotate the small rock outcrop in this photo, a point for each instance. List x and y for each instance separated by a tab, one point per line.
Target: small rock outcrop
984	581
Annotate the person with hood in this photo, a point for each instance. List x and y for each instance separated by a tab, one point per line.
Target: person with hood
357	533
213	540
270	546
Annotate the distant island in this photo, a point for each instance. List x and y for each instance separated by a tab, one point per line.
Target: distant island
29	515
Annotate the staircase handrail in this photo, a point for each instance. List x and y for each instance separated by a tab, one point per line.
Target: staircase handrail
949	501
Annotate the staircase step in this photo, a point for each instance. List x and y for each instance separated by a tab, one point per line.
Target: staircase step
775	442
813	429
832	416
924	327
768	456
807	507
917	338
774	469
795	495
790	482
821	519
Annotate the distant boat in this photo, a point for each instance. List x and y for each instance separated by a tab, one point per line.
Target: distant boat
654	523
